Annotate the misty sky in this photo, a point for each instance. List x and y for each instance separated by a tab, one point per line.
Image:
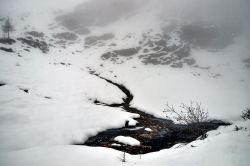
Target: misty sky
234	13
204	8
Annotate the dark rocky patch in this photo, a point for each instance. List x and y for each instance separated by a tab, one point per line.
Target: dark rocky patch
173	56
164	132
97	40
2	83
61	42
35	43
82	31
114	55
66	36
25	90
113	45
7	41
127	52
157	51
246	62
62	63
196	74
154	49
6	49
26	50
190	61
215	75
204	68
35	34
67	64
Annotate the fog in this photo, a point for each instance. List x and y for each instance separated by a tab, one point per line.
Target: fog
228	11
228	18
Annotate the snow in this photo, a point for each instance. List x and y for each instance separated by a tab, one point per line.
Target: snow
223	97
132	122
222	147
148	129
115	144
68	117
127	140
39	127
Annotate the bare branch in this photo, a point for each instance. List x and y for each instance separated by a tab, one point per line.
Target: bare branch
189	114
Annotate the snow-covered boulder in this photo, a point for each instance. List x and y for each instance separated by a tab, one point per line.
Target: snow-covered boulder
127	140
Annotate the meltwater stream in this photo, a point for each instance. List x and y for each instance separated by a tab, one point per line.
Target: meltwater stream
164	132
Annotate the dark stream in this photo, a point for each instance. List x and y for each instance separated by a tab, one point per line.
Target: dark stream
164	132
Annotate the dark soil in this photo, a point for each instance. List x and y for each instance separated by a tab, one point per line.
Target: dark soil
35	43
94	40
66	36
2	84
6	49
7	41
164	132
155	51
35	34
25	90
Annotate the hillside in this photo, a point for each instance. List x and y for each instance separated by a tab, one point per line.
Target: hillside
75	69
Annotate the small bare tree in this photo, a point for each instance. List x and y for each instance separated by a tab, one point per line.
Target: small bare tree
7	27
192	114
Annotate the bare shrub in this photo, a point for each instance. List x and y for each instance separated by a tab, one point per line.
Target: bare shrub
246	114
192	114
236	128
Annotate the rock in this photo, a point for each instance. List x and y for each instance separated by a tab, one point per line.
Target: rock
114	55
127	52
7	41
6	49
35	34
94	40
42	45
2	83
25	90
154	49
82	31
66	36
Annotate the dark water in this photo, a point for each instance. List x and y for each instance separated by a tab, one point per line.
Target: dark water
164	132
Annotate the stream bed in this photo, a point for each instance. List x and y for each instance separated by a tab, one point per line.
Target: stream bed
153	133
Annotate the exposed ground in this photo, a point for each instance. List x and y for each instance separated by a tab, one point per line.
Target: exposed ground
164	133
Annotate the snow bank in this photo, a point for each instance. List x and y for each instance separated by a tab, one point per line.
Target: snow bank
223	147
148	129
127	140
132	122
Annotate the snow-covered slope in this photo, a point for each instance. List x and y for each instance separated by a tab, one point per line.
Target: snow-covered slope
47	93
223	147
